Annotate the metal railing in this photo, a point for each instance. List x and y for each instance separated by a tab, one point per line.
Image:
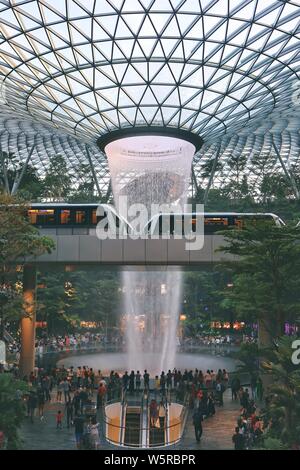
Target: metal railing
145	431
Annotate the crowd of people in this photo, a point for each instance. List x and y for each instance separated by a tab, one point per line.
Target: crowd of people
250	425
80	392
217	341
57	343
68	342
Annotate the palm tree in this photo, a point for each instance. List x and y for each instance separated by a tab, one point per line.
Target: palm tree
283	402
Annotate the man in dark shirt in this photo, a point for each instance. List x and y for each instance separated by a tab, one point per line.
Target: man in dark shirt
79	429
238	439
146	380
197	421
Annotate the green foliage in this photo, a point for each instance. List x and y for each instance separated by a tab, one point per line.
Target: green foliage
271	443
266	284
65	299
283	404
18	239
85	191
12	408
248	357
57	182
202	302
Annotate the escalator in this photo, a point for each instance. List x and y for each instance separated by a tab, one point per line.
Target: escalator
156	437
132	427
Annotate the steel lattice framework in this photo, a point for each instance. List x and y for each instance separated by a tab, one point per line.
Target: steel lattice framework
226	70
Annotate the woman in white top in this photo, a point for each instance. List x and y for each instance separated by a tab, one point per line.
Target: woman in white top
94	434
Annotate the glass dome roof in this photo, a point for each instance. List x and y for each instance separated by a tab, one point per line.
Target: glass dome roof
76	70
208	66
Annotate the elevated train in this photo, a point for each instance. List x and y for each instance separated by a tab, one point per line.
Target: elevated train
75	216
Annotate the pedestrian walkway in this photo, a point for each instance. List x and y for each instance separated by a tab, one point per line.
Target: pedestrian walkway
217	431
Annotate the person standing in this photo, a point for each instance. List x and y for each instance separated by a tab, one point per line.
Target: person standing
69	412
220	391
125	380
32	404
94	434
78	376
238	439
163	384
66	388
59	418
101	395
162	415
211	410
83	395
79	430
46	387
76	402
197	422
138	381
60	389
146	380
131	382
153	413
208	380
235	387
225	378
169	380
41	403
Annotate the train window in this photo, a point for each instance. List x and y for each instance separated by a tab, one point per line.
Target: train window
218	221
94	217
41	216
65	217
80	217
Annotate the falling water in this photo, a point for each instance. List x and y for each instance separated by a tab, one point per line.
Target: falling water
152	170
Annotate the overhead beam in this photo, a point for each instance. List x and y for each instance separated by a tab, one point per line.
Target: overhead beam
93	171
19	177
213	170
288	174
109	191
194	179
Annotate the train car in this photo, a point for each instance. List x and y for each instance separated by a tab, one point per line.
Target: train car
63	215
75	216
171	224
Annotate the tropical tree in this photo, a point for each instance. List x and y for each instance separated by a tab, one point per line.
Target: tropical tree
248	359
85	190
66	299
266	284
58	181
12	173
12	409
18	239
283	402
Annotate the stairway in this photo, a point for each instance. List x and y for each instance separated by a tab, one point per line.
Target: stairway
132	429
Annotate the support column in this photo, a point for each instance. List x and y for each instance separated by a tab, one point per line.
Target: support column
27	357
